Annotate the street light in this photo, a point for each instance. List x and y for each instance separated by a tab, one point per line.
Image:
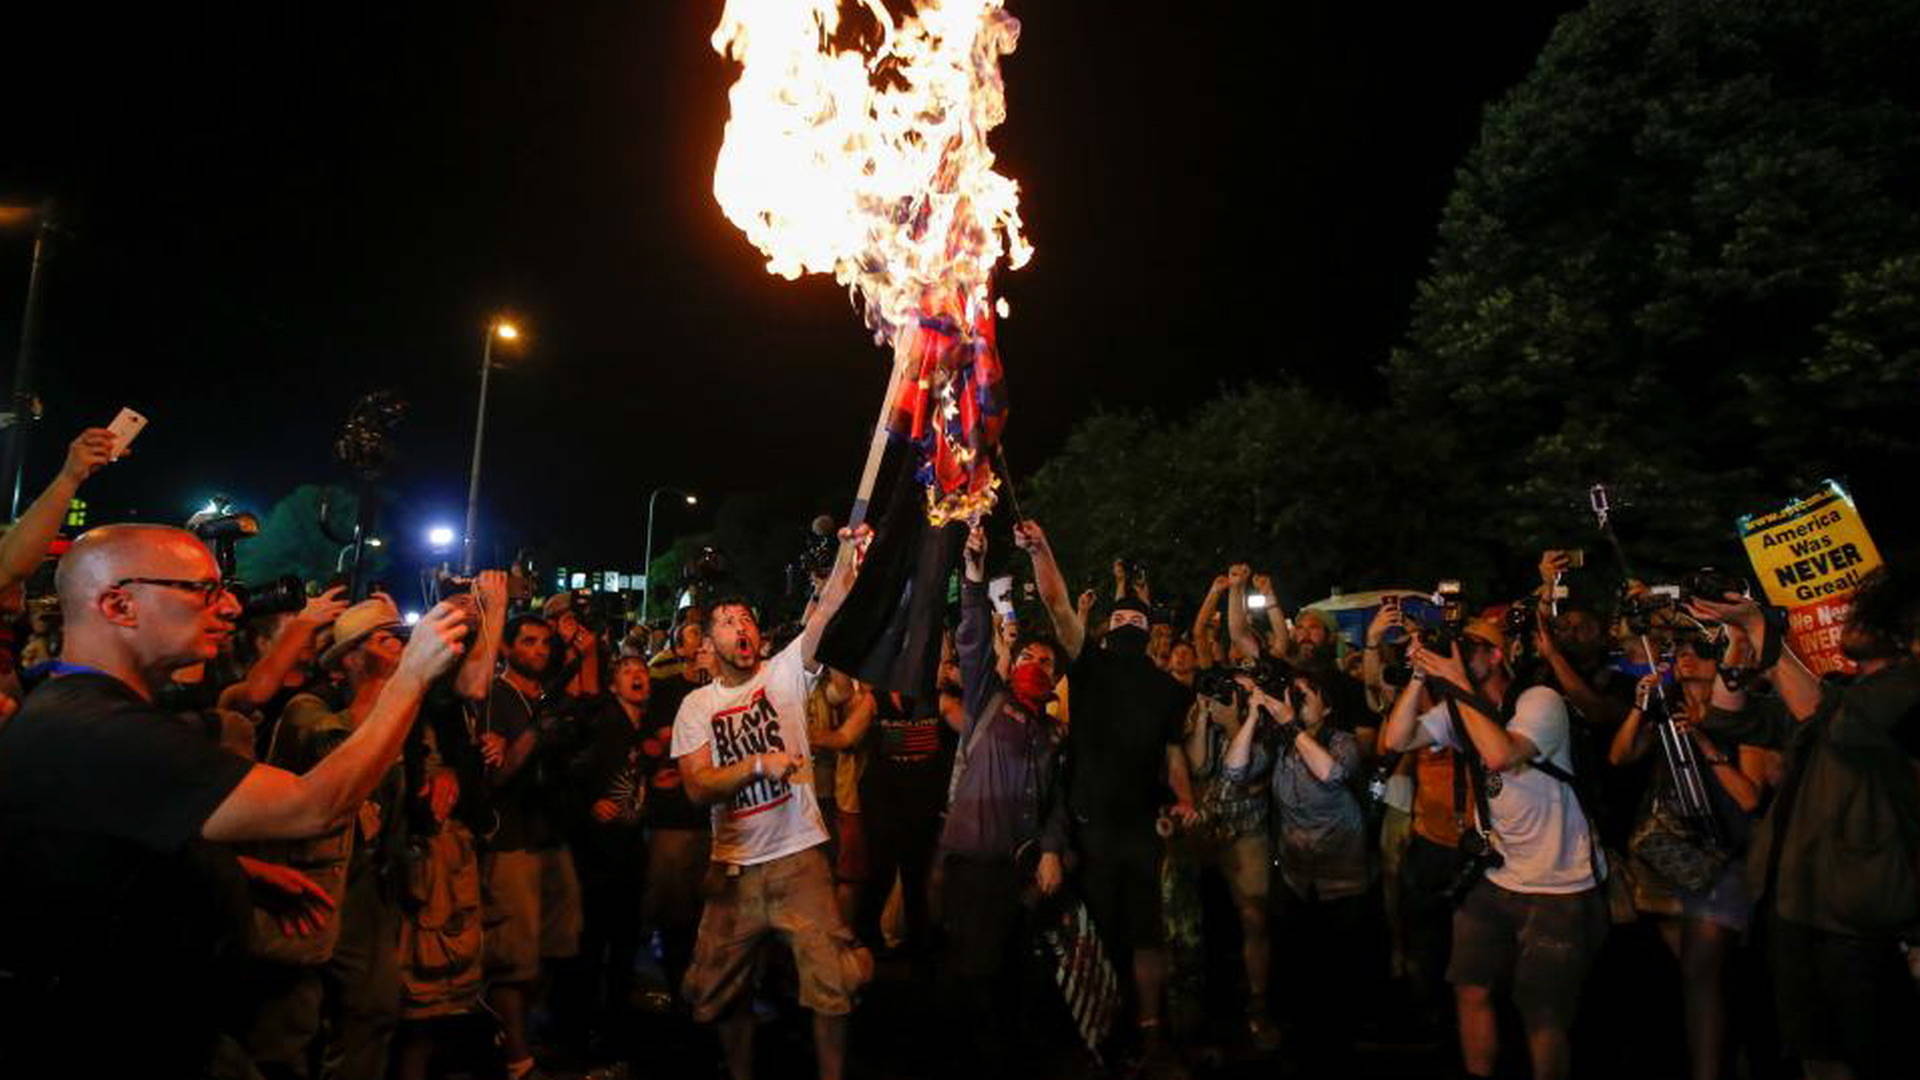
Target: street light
16	460
505	331
646	583
440	537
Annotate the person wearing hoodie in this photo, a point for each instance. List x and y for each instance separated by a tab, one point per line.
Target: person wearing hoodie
1005	833
1125	766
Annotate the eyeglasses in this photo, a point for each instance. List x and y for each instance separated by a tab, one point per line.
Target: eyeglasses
209	590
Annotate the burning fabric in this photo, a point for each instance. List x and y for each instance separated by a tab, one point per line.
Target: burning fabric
857	147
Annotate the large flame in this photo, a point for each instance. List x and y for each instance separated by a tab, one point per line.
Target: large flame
869	160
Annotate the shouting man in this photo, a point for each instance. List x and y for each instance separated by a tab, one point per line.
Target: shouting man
741	743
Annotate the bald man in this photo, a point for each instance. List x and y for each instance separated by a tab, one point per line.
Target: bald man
119	902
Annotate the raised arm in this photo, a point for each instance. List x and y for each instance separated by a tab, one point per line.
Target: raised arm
25	545
1499	749
833	593
273	804
1052	585
1239	629
853	726
1380	696
1203	643
269	673
1403	731
1593	707
474	681
1633	738
972	638
1799	689
1279	638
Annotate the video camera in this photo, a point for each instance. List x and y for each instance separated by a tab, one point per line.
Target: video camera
222	528
816	557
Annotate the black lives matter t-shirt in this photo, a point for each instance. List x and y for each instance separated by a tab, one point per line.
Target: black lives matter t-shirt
1125	712
115	916
769	817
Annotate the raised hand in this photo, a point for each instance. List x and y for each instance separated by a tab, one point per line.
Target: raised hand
1448	668
437	643
975	554
88	453
321	610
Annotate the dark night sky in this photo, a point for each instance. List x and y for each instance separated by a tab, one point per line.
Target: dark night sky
278	207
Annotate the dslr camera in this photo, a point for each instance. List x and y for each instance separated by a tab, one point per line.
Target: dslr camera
1440	634
221	527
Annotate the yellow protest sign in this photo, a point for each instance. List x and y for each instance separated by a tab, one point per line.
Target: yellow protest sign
1810	556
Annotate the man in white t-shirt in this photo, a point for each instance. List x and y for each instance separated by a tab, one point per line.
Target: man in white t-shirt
741	745
1536	920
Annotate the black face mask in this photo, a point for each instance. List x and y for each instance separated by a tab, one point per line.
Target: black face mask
1127	641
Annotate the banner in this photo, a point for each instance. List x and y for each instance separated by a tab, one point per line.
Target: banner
1810	556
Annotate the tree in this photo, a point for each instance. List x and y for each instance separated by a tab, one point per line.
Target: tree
291	542
1316	492
1684	256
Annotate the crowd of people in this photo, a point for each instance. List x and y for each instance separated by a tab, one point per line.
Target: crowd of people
514	837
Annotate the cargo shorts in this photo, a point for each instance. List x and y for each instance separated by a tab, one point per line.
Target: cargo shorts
1539	946
532	901
790	898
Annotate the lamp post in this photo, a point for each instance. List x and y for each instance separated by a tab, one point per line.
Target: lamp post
646	583
504	331
22	398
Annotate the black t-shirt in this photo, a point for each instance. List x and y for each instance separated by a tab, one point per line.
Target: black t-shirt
524	803
115	915
912	758
668	806
609	768
1124	714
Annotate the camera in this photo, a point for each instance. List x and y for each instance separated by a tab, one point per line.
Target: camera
281	596
1440	635
706	576
816	557
222	528
1478	858
1709	583
1274	677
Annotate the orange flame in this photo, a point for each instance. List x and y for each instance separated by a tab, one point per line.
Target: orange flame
869	161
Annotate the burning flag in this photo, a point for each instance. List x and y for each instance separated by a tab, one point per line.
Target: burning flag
857	147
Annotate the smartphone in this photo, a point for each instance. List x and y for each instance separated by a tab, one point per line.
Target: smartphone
125	427
1576	559
1257	601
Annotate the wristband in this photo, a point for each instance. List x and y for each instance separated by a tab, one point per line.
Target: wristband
759	767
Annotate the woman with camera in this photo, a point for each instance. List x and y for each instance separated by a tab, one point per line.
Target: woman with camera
1320	829
1693	885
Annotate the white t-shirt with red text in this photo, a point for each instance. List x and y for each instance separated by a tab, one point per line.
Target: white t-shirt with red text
769	817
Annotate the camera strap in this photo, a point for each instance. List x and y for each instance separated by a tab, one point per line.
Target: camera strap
1468	773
